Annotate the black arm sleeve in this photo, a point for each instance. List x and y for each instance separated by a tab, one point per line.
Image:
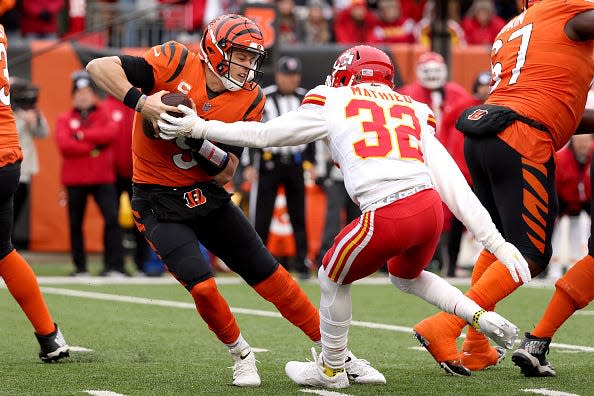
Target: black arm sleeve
139	72
309	154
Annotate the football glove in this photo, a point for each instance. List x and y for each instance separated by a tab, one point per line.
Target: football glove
515	263
190	125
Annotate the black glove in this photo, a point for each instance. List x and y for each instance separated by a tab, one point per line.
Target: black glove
45	16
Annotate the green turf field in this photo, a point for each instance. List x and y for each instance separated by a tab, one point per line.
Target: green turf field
149	346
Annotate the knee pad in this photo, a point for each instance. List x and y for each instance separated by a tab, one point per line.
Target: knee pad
578	281
335	300
256	267
188	266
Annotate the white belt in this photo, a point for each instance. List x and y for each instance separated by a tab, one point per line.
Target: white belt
399	195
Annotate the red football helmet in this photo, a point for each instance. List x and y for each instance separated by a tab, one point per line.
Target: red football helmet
362	64
432	71
226	34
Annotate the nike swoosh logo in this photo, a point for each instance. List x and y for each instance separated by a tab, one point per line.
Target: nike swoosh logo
246	355
156	51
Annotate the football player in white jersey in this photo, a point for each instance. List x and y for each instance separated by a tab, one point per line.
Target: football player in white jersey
397	172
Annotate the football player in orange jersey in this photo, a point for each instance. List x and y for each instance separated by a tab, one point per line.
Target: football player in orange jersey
178	199
535	105
15	271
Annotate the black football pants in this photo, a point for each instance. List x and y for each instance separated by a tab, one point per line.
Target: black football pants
518	193
225	232
9	181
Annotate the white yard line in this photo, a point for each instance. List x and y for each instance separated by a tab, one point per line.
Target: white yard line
102	393
548	392
323	392
246	311
586	313
79	349
167	279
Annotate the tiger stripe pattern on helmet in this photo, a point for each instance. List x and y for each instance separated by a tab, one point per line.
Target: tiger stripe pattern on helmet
232	22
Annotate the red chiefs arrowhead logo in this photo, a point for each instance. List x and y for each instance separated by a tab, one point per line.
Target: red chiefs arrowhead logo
194	198
478	114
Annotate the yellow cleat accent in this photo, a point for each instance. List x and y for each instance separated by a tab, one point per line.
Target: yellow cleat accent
331	372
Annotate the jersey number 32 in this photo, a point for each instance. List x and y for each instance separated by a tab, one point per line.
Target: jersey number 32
402	140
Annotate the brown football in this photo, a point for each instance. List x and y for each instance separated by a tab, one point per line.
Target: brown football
171	99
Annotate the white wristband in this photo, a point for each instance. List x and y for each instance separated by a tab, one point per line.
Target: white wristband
212	153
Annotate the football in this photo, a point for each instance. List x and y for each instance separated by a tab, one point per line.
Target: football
171	99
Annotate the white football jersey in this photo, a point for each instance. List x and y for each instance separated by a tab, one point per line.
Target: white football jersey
383	142
374	135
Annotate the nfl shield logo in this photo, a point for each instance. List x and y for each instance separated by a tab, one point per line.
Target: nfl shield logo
206	107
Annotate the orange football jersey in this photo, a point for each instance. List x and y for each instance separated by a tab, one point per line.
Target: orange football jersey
169	163
10	150
542	74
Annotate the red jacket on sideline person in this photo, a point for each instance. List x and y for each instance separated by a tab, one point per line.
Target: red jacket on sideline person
476	34
85	145
399	31
123	116
453	94
452	138
349	31
572	182
39	17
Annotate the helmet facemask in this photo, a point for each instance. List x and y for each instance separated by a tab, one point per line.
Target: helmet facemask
432	74
230	61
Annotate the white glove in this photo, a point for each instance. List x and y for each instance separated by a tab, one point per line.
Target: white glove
190	125
165	136
511	257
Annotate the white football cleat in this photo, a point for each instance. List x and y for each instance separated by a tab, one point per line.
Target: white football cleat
245	372
496	327
314	373
360	371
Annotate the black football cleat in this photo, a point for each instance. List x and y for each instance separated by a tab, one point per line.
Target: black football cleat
53	346
531	357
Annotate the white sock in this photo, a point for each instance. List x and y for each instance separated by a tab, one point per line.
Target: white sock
335	319
437	291
238	346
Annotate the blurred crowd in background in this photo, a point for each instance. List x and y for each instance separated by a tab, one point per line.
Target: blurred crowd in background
131	23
